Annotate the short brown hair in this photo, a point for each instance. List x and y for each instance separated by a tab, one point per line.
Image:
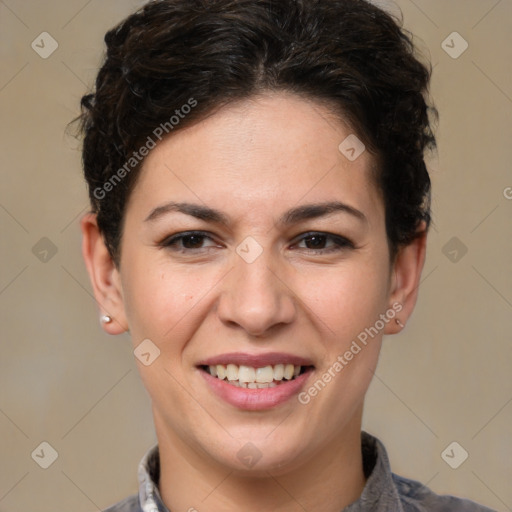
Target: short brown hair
348	53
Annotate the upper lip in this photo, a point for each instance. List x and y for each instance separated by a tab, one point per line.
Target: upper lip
256	360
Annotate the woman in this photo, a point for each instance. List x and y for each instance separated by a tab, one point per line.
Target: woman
260	208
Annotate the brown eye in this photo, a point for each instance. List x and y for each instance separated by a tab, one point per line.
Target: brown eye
315	241
192	241
188	241
324	242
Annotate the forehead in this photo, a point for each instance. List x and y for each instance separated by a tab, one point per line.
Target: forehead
270	151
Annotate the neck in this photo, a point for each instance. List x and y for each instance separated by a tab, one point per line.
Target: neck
328	482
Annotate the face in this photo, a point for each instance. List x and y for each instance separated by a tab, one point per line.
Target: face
250	240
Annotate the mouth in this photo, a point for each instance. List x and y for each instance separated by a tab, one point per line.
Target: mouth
256	382
251	377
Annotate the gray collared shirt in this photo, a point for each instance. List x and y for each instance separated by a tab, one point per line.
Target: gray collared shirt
383	492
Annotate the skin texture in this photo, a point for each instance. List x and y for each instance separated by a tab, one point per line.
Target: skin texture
254	160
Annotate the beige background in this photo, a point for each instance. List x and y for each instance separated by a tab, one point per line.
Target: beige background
445	378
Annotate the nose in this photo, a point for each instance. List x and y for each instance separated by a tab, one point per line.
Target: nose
255	297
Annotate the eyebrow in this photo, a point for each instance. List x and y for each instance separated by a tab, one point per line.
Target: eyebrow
293	216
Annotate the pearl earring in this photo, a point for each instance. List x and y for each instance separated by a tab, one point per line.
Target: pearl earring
105	319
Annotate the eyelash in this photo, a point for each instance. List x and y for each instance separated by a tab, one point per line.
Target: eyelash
340	242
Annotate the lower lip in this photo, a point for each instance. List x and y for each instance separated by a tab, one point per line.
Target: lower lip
256	399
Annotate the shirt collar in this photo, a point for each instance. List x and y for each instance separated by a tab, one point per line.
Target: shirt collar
379	492
149	477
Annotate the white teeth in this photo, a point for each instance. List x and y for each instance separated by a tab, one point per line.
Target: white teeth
288	371
252	385
278	372
232	372
265	374
246	374
221	371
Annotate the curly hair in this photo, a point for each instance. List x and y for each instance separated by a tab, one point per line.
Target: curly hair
203	54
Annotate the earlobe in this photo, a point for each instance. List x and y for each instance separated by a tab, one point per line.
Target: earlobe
407	270
104	277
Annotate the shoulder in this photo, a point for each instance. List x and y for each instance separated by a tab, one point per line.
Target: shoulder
130	504
416	497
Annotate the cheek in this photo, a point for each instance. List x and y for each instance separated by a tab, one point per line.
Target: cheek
161	300
347	299
348	302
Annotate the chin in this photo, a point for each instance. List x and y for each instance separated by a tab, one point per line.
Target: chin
259	455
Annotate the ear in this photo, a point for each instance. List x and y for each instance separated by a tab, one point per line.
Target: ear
104	275
405	279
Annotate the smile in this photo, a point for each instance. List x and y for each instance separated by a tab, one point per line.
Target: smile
256	382
255	378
